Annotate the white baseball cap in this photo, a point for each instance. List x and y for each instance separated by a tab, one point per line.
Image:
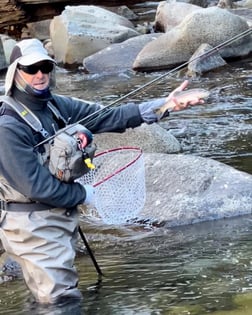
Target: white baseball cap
27	52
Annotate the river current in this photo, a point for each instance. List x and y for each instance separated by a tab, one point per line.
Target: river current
200	269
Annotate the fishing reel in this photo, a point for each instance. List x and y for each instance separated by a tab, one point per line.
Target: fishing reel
84	139
71	153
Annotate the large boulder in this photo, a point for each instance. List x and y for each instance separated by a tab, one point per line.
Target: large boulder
245	13
117	57
244	3
167	15
186	189
83	30
211	25
39	30
150	138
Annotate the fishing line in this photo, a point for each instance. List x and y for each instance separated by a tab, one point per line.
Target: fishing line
101	111
176	69
170	73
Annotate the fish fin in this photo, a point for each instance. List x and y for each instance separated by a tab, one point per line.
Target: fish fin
165	114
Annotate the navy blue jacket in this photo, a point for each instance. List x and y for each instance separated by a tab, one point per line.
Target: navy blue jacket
19	163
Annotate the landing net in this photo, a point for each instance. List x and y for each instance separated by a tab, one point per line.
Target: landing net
119	181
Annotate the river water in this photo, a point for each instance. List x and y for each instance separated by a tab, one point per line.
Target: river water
199	269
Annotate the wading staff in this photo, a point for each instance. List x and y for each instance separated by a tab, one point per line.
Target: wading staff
98	269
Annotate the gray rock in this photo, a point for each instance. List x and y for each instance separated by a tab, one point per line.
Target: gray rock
245	13
244	3
39	30
211	25
3	53
124	11
83	30
117	57
167	15
9	269
198	65
150	138
184	189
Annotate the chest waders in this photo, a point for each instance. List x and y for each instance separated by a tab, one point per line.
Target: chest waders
77	140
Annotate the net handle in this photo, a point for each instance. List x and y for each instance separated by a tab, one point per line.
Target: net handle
122	168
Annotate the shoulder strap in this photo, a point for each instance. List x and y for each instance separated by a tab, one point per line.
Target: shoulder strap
57	113
25	114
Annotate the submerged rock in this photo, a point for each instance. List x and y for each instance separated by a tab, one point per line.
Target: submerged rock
9	269
184	189
201	61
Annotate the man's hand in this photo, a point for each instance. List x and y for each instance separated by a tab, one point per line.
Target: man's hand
176	102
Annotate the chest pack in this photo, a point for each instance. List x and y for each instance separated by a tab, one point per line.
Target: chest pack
69	153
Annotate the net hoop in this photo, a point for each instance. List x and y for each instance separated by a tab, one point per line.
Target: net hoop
140	152
119	182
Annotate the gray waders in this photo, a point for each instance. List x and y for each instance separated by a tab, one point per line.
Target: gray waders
43	243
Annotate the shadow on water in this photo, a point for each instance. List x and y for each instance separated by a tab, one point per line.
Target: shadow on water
199	269
194	269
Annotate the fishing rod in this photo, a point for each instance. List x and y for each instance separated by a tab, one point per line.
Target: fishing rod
94	115
169	73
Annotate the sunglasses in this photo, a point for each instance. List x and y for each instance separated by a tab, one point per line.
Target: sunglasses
44	67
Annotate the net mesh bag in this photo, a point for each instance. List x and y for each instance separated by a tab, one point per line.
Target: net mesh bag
119	181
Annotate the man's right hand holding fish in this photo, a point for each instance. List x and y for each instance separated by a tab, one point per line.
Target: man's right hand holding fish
177	100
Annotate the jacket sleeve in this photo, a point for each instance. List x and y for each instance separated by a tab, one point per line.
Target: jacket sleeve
19	165
98	118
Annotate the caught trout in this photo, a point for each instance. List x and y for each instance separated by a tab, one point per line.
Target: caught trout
182	97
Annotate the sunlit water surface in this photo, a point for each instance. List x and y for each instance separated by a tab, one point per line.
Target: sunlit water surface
200	269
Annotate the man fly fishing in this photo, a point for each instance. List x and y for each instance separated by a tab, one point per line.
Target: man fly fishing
38	192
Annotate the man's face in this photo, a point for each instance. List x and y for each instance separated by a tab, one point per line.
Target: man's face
37	75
